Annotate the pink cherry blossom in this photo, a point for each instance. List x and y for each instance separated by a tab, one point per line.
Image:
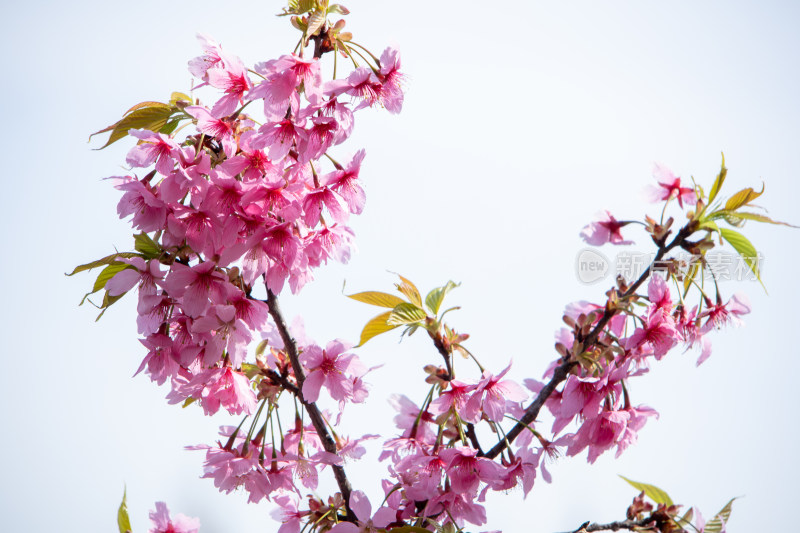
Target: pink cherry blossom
659	333
719	314
153	147
466	470
345	182
605	229
232	78
162	523
363	511
149	212
491	394
669	187
329	368
226	388
214	127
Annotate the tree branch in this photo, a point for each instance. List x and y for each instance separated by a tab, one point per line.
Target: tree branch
562	371
588	527
311	408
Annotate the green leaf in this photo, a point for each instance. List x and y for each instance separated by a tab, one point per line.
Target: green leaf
261	347
709	223
176	97
108	301
106	274
716	524
691	274
653	492
745	248
686	519
409	529
409	290
406	313
148	115
109	272
381	299
170	126
107	260
298	7
250	370
338	8
761	218
315	21
375	327
149	248
734	220
123	520
434	299
718	182
743	197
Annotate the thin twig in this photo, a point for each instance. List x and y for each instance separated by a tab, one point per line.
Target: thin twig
311	408
562	371
588	527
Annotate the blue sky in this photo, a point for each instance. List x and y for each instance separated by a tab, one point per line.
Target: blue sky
518	126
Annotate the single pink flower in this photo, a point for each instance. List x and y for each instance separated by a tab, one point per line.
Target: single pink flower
491	395
231	77
361	507
605	229
214	127
162	523
329	368
669	187
153	147
345	182
659	332
226	388
466	470
719	314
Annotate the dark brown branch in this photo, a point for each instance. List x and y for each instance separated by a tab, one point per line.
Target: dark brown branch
446	355
631	525
311	408
277	379
473	437
562	371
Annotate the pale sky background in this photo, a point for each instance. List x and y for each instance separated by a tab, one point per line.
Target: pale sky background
521	121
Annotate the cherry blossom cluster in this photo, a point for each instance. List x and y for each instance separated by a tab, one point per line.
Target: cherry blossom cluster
438	470
238	202
249	200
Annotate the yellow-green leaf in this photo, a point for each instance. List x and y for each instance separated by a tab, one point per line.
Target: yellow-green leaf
149	248
109	272
338	8
123	520
718	182
653	492
743	197
107	260
761	218
375	327
381	299
745	248
409	290
152	116
176	97
187	402
315	21
250	370
434	299
409	529
716	524
405	313
108	301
